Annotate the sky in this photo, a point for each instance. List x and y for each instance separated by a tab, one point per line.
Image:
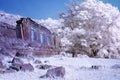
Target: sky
40	9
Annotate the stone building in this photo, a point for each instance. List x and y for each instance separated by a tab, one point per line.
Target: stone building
37	36
28	37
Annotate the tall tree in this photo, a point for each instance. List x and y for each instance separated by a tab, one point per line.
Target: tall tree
94	28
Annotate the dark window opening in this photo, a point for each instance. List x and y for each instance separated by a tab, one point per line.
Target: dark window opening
34	35
42	38
18	32
48	40
45	39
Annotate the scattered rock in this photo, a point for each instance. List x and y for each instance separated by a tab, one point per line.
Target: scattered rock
56	72
18	54
16	67
17	61
45	66
95	67
37	62
46	61
27	67
22	67
116	66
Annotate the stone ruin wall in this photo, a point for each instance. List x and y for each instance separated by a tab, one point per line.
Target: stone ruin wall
10	45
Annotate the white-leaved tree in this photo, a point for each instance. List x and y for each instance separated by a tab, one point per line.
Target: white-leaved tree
55	26
94	29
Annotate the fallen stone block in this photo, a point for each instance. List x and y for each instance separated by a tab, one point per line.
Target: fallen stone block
26	67
16	67
56	72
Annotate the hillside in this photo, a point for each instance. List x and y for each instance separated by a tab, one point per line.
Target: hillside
9	18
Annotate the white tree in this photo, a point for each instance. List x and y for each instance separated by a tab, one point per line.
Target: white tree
95	28
53	25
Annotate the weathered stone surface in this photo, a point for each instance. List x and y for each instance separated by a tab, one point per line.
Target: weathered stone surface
6	30
22	67
56	72
27	67
9	39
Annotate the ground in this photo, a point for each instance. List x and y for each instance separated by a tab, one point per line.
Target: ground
76	69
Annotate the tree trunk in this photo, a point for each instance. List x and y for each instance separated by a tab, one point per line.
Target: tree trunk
74	54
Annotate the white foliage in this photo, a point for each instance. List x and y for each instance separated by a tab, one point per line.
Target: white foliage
51	24
79	31
65	42
103	53
97	24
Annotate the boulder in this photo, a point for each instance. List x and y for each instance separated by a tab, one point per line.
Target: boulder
56	72
22	67
16	67
27	67
37	62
